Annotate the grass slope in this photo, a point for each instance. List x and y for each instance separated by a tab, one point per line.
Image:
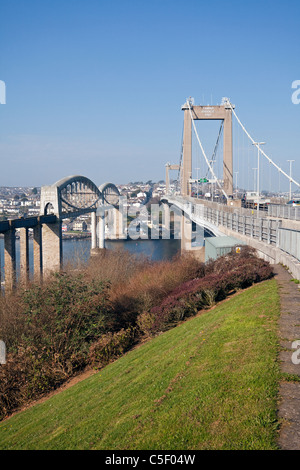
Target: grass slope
210	383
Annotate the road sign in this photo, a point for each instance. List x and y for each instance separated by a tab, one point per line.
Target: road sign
203	180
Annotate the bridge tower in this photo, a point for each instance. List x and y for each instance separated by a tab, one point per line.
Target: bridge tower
222	113
168	168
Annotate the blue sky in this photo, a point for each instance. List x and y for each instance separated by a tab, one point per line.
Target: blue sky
95	87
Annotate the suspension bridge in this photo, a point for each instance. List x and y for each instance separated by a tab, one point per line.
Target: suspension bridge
275	233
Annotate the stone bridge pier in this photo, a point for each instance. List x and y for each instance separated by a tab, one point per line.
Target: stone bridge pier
42	260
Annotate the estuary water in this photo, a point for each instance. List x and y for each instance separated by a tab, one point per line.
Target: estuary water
79	249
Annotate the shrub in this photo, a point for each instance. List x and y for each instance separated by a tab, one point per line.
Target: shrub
147	288
145	323
111	346
48	334
224	276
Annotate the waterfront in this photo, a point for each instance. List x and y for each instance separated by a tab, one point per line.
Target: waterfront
78	250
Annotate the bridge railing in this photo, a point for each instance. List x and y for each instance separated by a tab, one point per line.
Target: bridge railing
265	230
284	211
259	228
289	241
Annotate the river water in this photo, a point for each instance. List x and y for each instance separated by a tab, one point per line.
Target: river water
79	249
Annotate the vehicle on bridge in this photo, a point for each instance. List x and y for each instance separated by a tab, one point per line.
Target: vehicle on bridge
294	202
251	199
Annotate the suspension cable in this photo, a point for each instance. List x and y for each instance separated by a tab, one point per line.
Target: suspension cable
204	154
261	150
178	184
213	158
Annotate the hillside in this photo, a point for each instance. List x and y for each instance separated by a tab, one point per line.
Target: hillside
209	383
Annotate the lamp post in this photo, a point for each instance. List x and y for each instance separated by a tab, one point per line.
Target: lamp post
197	182
258	144
291	161
236	188
255	170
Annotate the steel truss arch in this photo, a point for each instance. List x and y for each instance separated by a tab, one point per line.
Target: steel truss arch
110	194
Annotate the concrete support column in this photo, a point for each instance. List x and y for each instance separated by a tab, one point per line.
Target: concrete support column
186	233
24	255
118	222
227	154
37	253
52	247
187	154
93	231
167	218
10	259
101	231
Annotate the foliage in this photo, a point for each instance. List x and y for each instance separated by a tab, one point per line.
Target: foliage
224	276
209	384
54	330
48	332
111	346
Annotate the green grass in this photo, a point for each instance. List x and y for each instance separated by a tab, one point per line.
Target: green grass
210	383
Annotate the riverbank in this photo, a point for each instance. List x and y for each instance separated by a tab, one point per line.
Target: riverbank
76	235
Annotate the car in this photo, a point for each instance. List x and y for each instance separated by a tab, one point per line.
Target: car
294	202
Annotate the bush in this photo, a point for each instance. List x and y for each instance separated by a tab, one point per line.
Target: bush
224	276
48	335
111	346
148	287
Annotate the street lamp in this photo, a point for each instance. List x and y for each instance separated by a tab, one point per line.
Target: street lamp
291	161
258	144
198	182
255	170
236	174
